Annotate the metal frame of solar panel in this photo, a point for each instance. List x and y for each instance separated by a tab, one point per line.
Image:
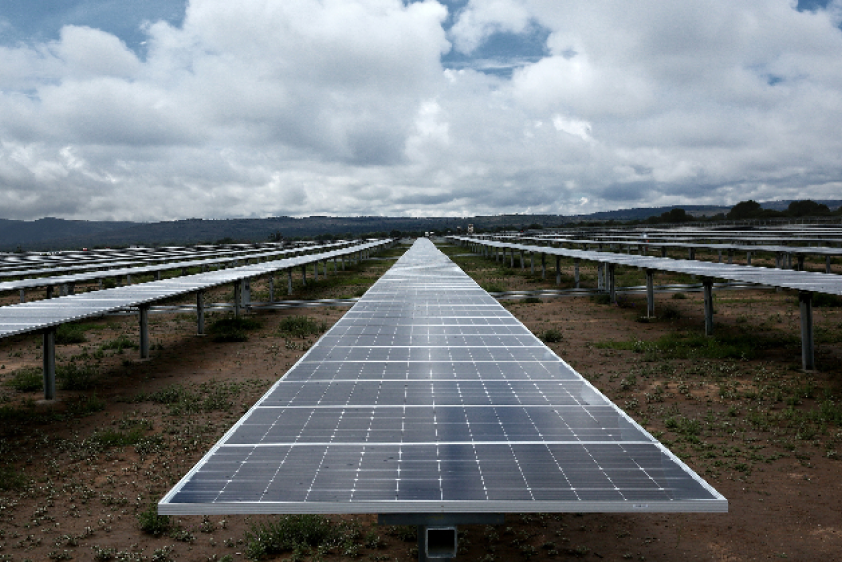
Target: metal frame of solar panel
805	282
429	397
128	272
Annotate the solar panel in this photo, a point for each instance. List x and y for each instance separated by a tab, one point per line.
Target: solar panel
428	396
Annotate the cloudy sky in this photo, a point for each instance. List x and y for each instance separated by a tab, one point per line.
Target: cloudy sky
163	109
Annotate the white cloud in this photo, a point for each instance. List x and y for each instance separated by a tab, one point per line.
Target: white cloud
343	107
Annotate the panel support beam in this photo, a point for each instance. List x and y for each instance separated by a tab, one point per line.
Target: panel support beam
49	360
808	359
707	283
650	293
200	313
143	318
612	290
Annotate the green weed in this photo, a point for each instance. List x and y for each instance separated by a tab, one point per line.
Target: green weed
70	333
290	533
301	326
74	377
232	329
153	524
26	379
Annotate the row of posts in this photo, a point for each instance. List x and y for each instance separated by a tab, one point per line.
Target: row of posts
606	283
242	300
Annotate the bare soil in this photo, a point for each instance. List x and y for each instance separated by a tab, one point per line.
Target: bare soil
76	474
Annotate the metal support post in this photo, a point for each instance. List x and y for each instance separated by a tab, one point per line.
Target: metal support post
23	295
576	272
335	270
650	293
144	331
158	275
237	298
200	313
800	258
512	254
522	262
304	275
827	264
808	360
324	264
612	290
543	265
663	251
247	294
289	281
49	357
708	289
600	276
748	258
730	256
49	291
691	253
719	259
71	288
128	279
271	288
316	271
558	270
532	262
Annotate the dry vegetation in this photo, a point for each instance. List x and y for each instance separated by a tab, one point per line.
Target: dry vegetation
78	478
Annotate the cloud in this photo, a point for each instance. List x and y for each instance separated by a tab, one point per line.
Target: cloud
307	107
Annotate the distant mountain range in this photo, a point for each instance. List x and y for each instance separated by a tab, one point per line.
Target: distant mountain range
58	234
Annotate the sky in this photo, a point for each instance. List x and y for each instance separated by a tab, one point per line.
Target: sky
153	110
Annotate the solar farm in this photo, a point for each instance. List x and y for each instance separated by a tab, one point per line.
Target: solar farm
582	413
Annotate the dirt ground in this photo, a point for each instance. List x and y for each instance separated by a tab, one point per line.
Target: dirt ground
78	477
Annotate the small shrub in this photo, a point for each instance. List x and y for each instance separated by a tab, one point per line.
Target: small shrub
26	379
119	344
290	532
153	524
531	300
11	479
825	300
301	326
70	333
601	299
494	288
670	312
74	377
551	336
232	329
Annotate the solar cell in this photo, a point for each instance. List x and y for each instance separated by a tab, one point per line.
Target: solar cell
429	396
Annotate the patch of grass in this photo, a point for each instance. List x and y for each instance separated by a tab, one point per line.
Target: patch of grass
684	345
153	524
301	326
493	288
531	300
206	397
290	532
75	377
11	479
824	300
679	296
668	312
601	299
26	379
70	333
119	344
551	335
232	329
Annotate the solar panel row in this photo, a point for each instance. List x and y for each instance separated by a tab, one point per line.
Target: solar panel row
429	397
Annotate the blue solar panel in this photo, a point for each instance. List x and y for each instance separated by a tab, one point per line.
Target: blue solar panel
428	396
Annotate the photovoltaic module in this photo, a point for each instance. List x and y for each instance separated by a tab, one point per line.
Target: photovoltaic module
429	397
